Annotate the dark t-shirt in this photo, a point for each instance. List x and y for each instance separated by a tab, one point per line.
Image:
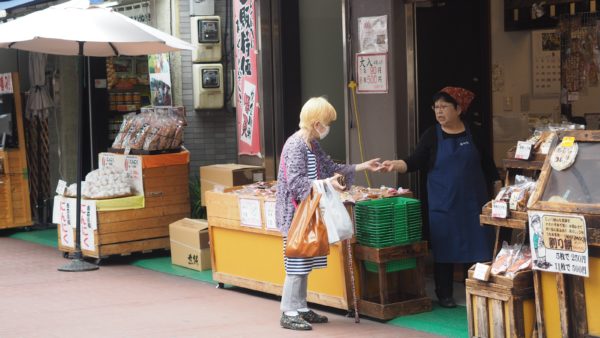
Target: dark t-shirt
423	158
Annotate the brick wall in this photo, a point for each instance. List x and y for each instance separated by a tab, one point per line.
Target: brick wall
211	134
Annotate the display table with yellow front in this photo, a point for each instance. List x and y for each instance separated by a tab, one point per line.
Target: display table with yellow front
137	223
251	255
247	248
564	225
15	207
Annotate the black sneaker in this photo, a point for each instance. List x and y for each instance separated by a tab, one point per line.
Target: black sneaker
312	317
447	302
294	322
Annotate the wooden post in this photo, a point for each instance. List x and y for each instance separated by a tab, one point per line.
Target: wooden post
539	304
563	305
578	308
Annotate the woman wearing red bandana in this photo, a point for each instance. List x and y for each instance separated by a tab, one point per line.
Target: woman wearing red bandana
460	174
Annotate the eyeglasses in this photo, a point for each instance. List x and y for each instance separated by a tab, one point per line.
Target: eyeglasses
440	107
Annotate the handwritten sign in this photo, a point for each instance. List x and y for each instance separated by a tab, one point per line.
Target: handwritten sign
523	151
371	72
270	220
88	225
6	86
499	209
131	164
250	212
559	243
246	76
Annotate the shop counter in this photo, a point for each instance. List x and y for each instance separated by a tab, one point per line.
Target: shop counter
252	256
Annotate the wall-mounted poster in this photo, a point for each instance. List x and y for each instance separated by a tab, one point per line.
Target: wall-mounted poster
6	83
160	79
372	34
246	77
371	73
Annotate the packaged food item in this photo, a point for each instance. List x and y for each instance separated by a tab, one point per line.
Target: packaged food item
106	183
502	260
125	125
521	261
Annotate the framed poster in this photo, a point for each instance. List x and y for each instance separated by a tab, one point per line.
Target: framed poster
371	73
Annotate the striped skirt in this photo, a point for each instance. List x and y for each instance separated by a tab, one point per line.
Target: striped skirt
302	266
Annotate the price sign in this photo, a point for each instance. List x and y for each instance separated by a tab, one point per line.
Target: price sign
523	150
568	141
499	209
61	187
482	272
270	221
250	212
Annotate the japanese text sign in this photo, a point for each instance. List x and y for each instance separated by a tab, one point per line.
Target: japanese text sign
559	243
371	73
246	77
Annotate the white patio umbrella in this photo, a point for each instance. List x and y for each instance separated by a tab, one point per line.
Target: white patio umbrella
78	28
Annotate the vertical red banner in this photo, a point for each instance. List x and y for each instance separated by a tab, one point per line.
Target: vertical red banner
246	77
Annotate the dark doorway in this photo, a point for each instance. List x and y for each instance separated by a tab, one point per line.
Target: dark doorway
453	49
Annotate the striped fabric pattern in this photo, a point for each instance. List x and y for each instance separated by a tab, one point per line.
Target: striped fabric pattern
302	266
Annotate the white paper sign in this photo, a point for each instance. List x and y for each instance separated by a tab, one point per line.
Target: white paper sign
61	187
64	217
372	34
523	150
250	212
559	243
499	209
481	272
371	73
132	164
270	220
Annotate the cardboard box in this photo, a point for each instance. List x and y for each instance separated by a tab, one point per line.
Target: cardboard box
189	243
228	175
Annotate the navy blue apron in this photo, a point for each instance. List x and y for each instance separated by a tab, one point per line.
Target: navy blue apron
457	190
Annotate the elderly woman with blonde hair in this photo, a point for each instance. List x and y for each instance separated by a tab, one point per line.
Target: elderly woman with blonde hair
303	161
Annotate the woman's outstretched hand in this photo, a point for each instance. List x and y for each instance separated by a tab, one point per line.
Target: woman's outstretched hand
370	165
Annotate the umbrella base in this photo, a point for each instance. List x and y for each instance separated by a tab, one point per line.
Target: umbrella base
78	265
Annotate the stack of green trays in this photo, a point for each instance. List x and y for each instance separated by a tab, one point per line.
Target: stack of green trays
393	266
388	222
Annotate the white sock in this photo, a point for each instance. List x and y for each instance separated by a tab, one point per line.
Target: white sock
291	313
304	309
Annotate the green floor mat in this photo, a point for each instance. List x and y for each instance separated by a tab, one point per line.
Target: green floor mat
163	264
44	237
440	321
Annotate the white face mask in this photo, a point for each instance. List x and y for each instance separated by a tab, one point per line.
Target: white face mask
323	134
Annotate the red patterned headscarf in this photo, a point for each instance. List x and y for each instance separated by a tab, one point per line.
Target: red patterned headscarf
462	96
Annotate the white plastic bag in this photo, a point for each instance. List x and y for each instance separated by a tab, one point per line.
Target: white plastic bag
335	216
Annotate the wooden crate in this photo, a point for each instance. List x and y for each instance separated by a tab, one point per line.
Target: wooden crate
501	307
141	230
386	295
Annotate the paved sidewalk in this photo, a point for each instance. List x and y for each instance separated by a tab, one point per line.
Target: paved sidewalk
126	301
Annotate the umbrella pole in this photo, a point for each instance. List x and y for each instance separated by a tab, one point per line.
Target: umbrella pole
77	264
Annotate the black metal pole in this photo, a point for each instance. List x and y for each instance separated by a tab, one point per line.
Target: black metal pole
77	263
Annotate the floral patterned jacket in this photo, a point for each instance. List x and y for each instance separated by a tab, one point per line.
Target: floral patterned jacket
293	183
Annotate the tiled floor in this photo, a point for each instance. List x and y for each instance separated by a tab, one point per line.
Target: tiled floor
127	301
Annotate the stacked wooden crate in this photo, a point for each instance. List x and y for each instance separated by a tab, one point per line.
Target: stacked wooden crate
140	230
